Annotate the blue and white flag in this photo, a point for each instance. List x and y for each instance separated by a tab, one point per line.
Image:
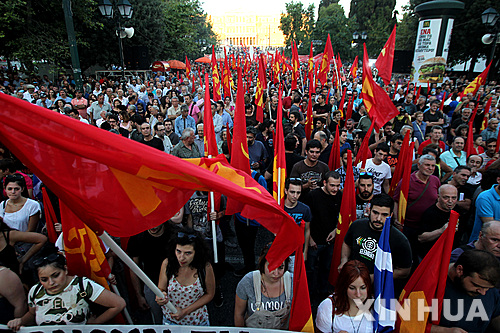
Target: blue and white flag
384	310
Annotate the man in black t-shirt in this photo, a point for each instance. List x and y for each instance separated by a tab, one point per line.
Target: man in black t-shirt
361	240
435	219
149	139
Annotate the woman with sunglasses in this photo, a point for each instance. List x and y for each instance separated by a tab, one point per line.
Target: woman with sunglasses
263	297
340	312
18	211
62	299
187	280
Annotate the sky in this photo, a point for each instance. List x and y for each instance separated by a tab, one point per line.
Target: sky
218	7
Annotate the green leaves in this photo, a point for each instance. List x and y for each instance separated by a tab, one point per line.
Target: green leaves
297	25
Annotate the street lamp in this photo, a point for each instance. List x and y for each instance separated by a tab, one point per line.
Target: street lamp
490	18
125	11
356	36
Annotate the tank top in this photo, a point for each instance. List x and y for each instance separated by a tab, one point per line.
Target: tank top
8	257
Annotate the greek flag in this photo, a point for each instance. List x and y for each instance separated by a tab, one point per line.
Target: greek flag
384	306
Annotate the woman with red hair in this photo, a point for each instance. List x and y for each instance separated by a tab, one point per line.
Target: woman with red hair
341	313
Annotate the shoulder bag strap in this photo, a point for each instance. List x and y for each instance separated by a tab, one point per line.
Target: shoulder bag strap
82	292
257	289
421	194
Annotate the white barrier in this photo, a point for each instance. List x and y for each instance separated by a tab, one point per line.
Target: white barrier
139	329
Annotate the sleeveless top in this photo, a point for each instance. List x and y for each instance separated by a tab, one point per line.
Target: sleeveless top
8	257
182	297
6	309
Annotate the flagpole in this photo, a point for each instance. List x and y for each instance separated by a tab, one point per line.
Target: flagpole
134	268
279	186
214	231
125	311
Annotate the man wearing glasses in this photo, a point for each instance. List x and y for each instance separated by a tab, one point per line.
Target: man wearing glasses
160	134
149	139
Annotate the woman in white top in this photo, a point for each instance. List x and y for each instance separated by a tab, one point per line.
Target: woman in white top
340	313
19	212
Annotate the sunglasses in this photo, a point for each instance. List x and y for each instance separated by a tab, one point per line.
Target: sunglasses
15	176
48	259
181	234
366	174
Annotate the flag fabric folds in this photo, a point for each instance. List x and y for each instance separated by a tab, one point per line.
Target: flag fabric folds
386	58
325	61
354	68
342	102
398	171
279	164
428	282
346	217
310	63
383	283
208	129
487	108
362	155
226	77
124	187
473	87
469	142
50	216
261	87
309	117
334	160
215	78
188	67
295	66
378	104
405	184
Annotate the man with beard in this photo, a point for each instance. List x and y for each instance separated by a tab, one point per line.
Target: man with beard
160	134
470	290
435	219
361	240
364	195
311	170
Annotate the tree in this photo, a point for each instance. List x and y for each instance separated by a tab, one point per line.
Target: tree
377	18
297	25
332	20
325	4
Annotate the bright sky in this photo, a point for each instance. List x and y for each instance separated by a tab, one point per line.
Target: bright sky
218	7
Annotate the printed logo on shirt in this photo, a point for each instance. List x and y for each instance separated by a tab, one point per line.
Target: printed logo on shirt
269	306
368	247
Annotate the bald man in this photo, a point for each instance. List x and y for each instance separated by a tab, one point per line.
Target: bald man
489	240
435	219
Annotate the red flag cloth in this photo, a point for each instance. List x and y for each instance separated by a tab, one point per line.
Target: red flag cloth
215	78
50	216
210	142
362	154
123	186
354	68
398	170
295	66
405	184
300	313
386	58
342	101
395	91
259	93
428	282
309	118
346	217
83	249
487	108
339	62
226	77
418	94
325	62
310	64
441	106
478	82
378	104
334	160
188	67
279	166
469	143
348	114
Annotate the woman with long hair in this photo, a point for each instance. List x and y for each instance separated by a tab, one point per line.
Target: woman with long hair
187	280
341	311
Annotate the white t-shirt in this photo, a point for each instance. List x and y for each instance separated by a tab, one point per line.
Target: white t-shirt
19	220
380	173
360	323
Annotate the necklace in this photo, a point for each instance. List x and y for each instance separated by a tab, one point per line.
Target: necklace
352	323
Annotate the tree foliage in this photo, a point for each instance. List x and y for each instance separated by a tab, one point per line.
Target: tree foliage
297	25
332	20
325	4
377	18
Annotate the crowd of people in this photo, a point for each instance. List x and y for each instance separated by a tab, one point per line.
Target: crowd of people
165	111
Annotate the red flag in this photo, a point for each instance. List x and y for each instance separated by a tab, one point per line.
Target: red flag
339	62
325	62
140	185
386	58
83	249
310	64
398	171
405	184
377	102
441	106
334	160
215	77
300	314
342	101
188	68
50	216
279	166
354	68
346	217
487	108
469	143
295	66
395	91
362	154
349	108
418	94
478	82
428	282
210	142
226	78
259	93
309	117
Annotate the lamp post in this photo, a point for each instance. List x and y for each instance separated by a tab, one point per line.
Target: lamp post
70	30
357	36
490	18
125	11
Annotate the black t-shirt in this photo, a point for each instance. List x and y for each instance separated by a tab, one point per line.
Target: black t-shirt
321	109
299	212
363	242
325	211
150	250
155	143
361	206
325	154
432	219
174	138
391	159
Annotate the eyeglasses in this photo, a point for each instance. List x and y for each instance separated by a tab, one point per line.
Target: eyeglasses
366	174
294	179
14	176
48	259
181	234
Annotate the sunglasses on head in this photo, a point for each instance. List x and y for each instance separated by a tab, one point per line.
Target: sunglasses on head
48	259
181	234
366	174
